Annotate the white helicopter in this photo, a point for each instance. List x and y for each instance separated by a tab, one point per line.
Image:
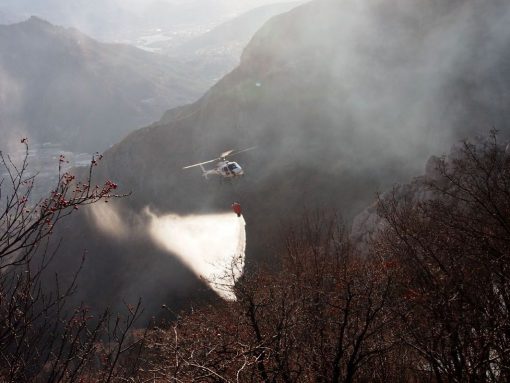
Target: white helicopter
224	168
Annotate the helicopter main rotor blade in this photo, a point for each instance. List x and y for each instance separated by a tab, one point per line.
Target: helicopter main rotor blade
227	153
236	152
201	163
222	156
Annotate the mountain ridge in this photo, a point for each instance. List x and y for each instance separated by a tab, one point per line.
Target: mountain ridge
97	92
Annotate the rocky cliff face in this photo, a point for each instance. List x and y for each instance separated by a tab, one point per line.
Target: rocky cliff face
341	98
367	224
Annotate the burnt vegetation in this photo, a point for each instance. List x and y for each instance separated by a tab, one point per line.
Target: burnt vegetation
426	299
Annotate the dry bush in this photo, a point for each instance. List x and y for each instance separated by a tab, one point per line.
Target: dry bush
42	338
453	250
323	315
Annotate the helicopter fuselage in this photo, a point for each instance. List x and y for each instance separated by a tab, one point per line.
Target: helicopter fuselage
223	167
227	169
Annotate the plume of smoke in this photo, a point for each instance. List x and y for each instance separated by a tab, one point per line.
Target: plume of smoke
212	246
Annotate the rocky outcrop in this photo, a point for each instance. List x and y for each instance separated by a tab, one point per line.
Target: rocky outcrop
367	224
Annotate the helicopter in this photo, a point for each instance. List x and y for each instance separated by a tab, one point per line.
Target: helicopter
224	167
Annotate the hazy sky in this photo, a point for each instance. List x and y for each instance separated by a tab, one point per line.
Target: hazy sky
232	5
90	14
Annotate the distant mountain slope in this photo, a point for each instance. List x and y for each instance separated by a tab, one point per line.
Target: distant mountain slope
342	98
213	54
57	84
127	20
101	18
239	29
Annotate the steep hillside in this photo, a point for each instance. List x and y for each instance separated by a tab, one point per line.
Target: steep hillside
58	85
341	98
238	30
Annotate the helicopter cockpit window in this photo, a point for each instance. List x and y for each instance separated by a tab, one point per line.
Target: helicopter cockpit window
232	166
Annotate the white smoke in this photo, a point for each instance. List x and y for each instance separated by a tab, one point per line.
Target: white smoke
213	246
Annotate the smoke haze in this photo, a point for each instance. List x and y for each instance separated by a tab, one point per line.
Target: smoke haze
341	98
